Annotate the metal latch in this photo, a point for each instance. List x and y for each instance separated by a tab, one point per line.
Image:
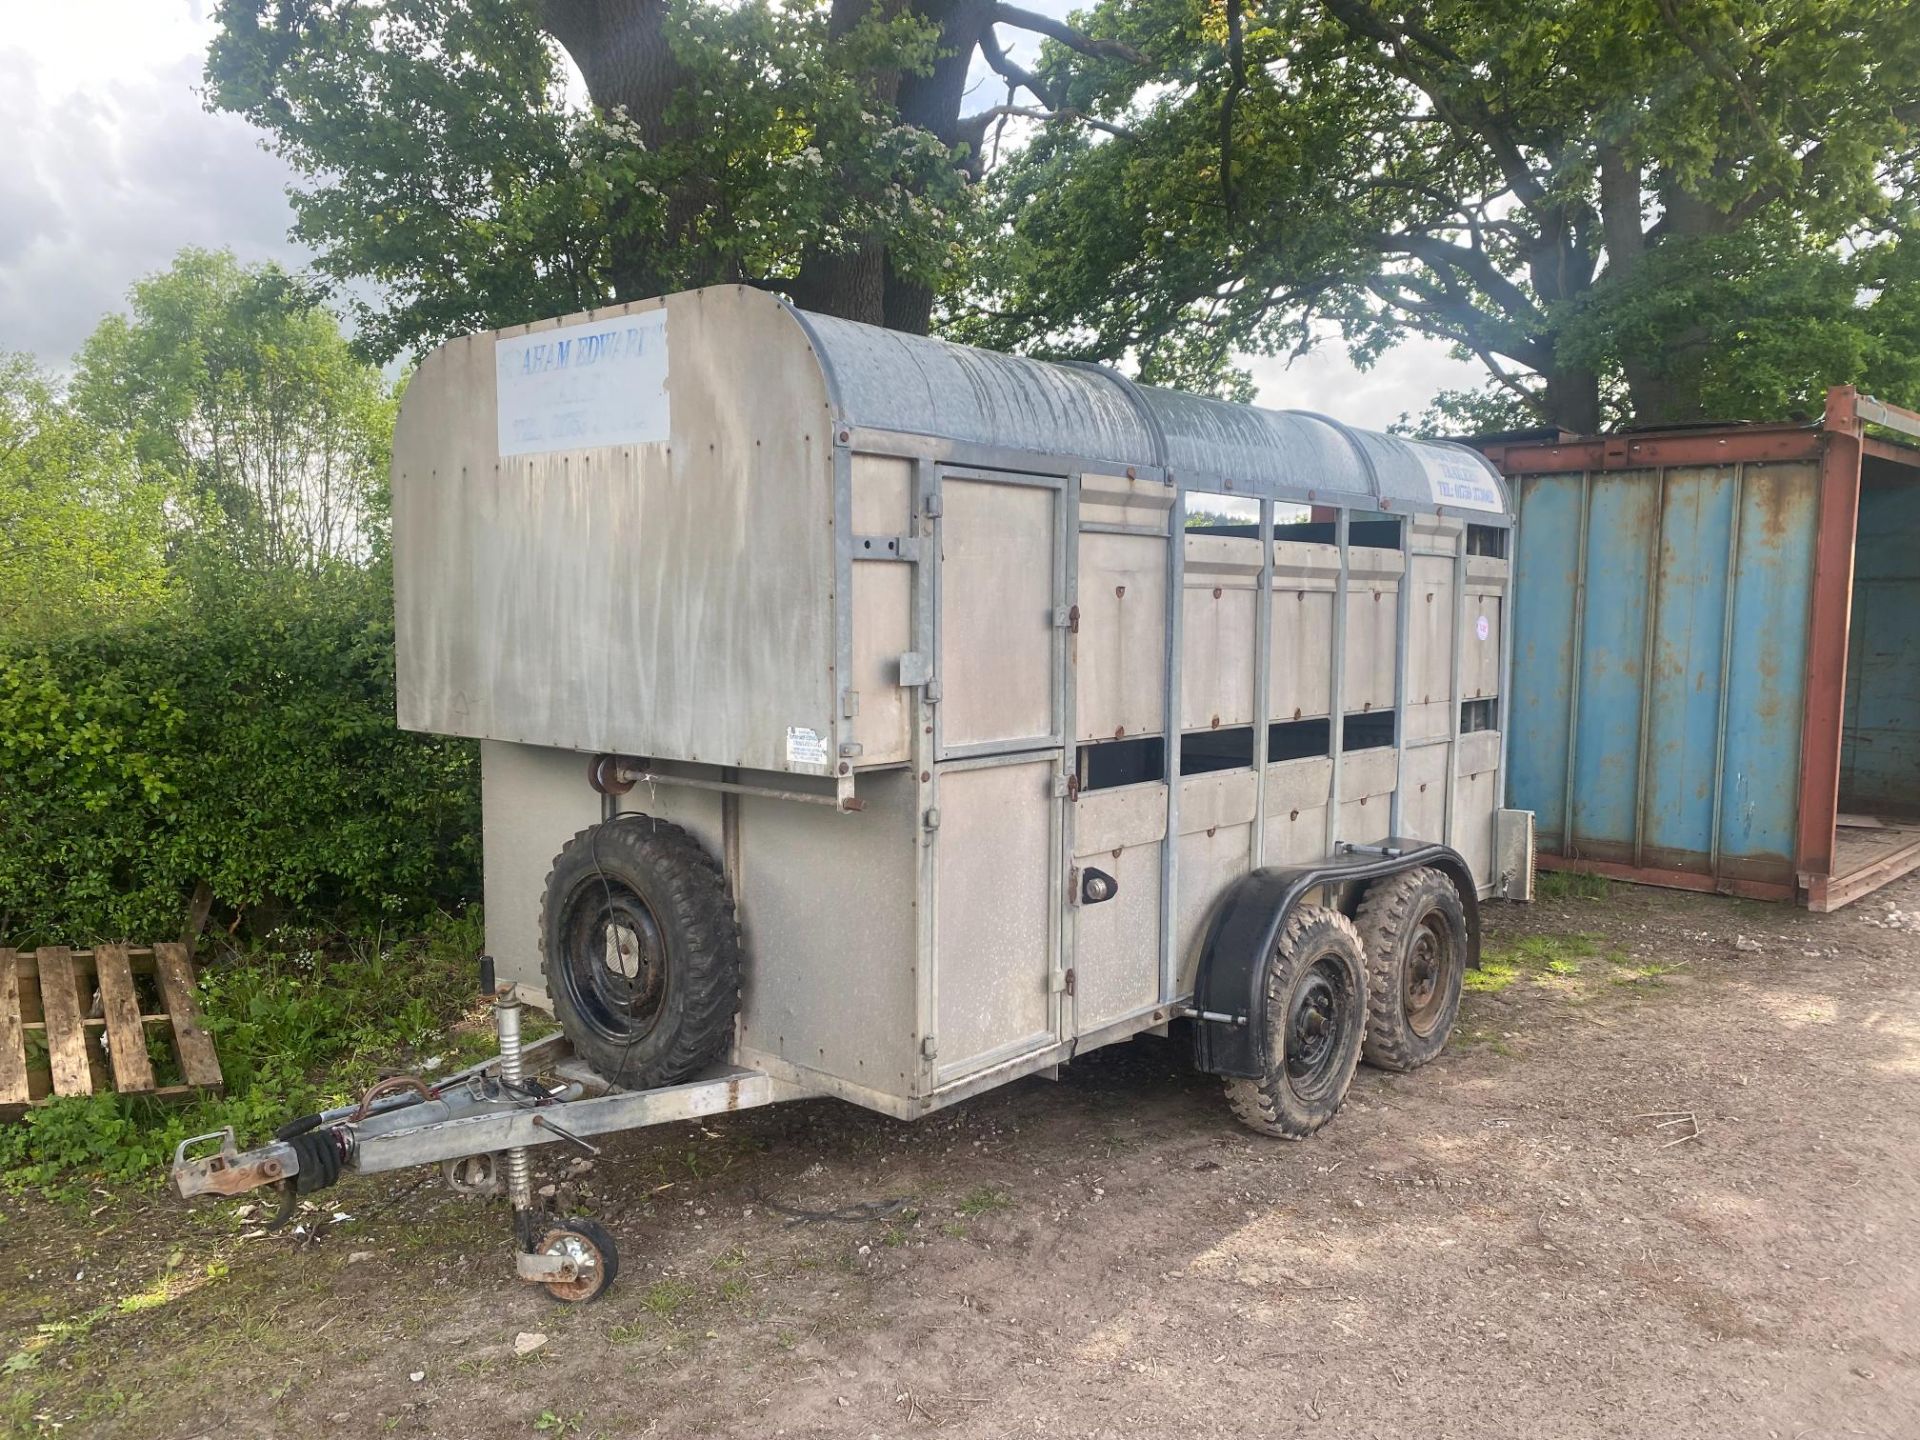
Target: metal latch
931	820
915	668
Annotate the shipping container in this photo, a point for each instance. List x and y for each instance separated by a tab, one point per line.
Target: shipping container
1716	671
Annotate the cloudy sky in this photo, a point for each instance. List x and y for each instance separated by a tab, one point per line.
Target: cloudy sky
111	165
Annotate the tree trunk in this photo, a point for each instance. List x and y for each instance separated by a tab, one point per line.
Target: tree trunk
852	284
621	49
1665	386
932	102
1572	398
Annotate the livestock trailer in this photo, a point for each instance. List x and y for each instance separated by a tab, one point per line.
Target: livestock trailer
874	717
1717	671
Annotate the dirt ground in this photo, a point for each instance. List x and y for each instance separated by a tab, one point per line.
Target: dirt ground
1510	1243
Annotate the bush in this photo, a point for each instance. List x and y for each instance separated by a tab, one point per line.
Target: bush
242	738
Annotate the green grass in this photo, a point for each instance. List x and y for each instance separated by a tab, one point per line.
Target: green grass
1570	885
666	1298
297	1027
983	1201
1533	957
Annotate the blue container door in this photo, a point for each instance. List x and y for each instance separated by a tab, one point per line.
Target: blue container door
1660	634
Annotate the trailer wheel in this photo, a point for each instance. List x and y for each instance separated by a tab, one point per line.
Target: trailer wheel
1316	986
591	1249
1415	932
641	951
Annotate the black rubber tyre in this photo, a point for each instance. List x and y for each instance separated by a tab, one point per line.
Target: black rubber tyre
1415	931
1316	1020
589	1245
641	951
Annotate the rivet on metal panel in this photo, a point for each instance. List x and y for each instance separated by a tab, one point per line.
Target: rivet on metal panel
1119	732
844	767
1293	815
1216	592
1212	830
1119	592
925	776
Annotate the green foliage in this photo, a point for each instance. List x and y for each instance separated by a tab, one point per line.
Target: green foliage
234	386
297	1028
445	160
242	738
1688	208
82	537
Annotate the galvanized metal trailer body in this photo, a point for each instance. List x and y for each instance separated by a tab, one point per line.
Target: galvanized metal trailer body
949	597
1719	652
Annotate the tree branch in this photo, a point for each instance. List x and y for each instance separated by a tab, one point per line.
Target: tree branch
1236	81
1477	265
1724	73
1014	72
1073	39
978	123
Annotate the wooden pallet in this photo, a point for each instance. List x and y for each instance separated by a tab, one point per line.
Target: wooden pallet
57	1005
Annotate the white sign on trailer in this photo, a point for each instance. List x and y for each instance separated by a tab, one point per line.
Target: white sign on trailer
598	382
1458	480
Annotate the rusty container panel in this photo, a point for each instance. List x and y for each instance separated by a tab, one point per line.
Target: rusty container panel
1660	666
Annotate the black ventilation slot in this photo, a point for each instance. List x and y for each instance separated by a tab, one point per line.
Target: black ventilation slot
1372	730
1207	750
1299	739
1112	763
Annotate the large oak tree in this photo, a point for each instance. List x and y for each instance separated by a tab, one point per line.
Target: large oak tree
815	146
1642	209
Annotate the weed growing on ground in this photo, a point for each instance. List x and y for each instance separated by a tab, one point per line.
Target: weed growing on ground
983	1201
1533	957
665	1297
298	1027
1570	885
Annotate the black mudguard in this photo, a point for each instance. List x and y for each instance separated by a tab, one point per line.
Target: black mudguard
1246	927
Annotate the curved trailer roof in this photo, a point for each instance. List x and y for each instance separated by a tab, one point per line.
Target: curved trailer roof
913	384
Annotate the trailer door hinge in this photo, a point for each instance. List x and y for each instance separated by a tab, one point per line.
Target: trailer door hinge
849	703
931	820
915	668
1057	982
928	1048
1067	617
930	504
1073	787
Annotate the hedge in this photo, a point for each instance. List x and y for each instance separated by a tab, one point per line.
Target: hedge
242	738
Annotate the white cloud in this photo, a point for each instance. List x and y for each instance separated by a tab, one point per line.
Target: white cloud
113	165
1402	382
